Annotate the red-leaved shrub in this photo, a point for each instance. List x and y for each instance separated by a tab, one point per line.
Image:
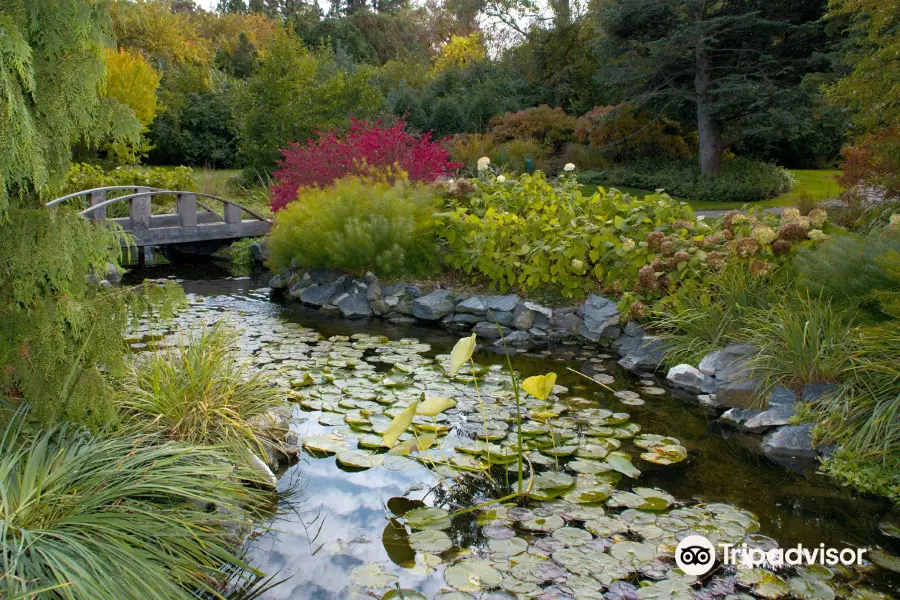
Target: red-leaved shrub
873	161
365	147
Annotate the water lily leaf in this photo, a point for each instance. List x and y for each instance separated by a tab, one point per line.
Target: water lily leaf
461	354
543	524
434	406
651	441
472	575
885	560
303	382
540	386
454	596
403	594
552	480
415	444
371	575
395	539
621	462
810	589
400	505
428	517
508	547
665	455
572	536
642	499
359	459
326	443
399	424
771	589
430	540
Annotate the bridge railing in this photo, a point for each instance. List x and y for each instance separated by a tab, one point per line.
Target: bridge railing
98	196
140	208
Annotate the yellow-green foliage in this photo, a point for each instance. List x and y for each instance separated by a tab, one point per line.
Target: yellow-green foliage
132	81
62	337
530	233
200	392
357	225
82	176
51	70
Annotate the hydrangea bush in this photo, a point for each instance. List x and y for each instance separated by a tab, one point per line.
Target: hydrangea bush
531	232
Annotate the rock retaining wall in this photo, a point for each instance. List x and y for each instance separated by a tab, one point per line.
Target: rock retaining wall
723	381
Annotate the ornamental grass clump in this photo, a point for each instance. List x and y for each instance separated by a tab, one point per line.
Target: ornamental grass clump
115	519
200	392
382	224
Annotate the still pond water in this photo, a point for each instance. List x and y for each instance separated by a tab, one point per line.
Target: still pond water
345	533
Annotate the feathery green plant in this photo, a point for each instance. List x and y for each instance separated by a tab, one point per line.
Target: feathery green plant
115	519
201	393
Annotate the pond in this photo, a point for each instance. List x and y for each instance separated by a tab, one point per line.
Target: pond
362	521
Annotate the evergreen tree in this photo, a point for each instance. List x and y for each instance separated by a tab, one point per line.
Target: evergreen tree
735	65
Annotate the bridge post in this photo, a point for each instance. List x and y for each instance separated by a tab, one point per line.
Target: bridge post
97	198
140	210
187	209
232	213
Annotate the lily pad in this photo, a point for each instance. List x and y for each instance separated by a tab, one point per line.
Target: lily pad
508	547
371	575
432	541
359	459
572	536
472	575
403	594
810	589
428	517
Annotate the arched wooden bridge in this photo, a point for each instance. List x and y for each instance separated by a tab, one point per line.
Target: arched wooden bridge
186	226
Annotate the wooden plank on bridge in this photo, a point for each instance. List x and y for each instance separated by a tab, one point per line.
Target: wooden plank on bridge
141	211
161	236
187	210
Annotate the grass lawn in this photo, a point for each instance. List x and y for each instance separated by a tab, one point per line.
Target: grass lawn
218	182
818	185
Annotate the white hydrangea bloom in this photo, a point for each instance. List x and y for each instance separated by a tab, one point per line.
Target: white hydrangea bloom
569	167
500	178
483	163
628	244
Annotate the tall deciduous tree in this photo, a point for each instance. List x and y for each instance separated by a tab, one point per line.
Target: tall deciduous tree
872	87
734	64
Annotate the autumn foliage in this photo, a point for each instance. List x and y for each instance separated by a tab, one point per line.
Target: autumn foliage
365	147
874	161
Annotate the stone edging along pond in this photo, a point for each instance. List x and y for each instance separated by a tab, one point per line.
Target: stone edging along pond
722	382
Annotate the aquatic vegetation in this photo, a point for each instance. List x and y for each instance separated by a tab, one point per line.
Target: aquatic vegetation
589	523
199	392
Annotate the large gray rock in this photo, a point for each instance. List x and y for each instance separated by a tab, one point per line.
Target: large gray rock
354	304
793	441
474	306
433	306
465	319
738	417
736	384
321	294
566	320
504	317
280	280
259	251
516	339
523	317
501	303
725	358
542	314
740	393
686	377
780	411
647	357
298	287
814	392
322	275
373	291
488	330
600	316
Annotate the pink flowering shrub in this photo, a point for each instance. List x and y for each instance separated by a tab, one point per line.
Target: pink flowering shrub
365	147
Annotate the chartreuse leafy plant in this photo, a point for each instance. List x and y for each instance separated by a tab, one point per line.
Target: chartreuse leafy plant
360	224
115	519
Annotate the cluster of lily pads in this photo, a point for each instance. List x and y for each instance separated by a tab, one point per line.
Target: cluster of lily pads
579	527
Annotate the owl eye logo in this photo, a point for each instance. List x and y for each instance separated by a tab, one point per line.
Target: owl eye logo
695	555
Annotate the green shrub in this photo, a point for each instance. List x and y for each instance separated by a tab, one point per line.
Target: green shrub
531	233
201	393
358	225
622	134
549	127
242	260
740	180
511	155
860	271
115	519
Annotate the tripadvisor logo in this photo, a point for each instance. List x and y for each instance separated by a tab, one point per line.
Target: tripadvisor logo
696	555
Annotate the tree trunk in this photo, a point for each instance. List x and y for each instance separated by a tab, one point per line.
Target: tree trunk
708	127
562	13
